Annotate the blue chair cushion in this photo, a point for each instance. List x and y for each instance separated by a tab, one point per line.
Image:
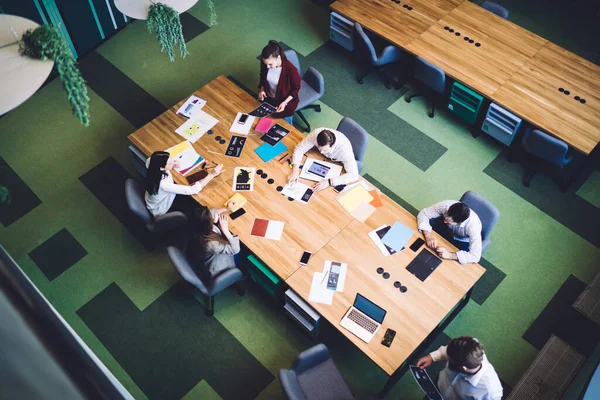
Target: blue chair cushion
324	382
430	75
495	8
306	96
486	211
546	147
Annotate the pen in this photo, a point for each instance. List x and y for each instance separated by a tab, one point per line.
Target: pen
325	275
284	156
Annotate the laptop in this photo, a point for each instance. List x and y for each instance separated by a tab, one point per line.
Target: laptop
426	384
364	318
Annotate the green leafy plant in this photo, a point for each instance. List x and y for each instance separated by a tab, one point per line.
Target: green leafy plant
4	195
213	12
43	43
165	21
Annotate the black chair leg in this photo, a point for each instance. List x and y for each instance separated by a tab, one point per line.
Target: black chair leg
386	79
408	98
527	178
432	113
210	306
240	289
315	107
303	118
370	69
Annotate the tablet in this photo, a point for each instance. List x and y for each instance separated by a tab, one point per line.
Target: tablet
319	169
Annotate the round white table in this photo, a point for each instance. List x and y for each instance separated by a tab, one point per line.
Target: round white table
20	76
138	9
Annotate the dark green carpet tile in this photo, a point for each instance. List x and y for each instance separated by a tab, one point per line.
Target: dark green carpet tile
488	282
171	346
347	97
119	91
243	87
560	318
191	26
57	254
106	181
20	199
567	208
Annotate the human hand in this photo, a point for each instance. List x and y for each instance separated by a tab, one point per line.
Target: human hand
425	362
261	95
218	169
176	164
431	242
442	252
231	205
281	107
224	222
293	178
324	184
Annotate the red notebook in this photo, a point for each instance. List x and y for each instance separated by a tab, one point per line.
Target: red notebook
264	125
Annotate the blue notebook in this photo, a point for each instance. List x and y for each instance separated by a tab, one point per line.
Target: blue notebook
268	152
397	236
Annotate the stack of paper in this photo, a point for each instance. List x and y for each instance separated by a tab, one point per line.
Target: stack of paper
244	128
397	236
357	201
198	124
376	236
267	229
192	104
187	157
319	293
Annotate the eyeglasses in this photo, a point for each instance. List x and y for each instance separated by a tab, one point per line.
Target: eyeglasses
386	275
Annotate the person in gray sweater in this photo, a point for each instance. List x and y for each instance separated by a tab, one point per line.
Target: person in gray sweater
211	247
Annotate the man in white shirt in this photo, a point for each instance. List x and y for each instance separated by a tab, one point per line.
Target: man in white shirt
456	222
468	373
333	145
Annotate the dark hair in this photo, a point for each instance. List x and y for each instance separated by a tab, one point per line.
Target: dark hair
154	174
465	352
325	137
273	49
459	212
202	228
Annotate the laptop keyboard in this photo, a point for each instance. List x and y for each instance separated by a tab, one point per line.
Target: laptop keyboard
363	321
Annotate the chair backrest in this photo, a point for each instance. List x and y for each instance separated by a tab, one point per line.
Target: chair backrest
366	42
430	75
182	265
486	211
293	58
134	194
495	8
546	147
358	136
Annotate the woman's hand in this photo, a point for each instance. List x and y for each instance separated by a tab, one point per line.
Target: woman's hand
218	169
281	107
224	223
425	362
261	95
231	205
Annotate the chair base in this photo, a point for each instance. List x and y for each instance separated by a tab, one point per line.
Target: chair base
380	71
315	107
409	96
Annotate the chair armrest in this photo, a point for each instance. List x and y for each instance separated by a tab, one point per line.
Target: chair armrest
290	385
315	80
168	221
311	357
389	55
224	280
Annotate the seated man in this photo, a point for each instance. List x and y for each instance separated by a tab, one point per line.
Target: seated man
333	145
468	373
456	222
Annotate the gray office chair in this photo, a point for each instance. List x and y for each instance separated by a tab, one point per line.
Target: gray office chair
487	213
433	78
311	90
495	8
314	376
547	149
134	194
388	55
208	289
358	136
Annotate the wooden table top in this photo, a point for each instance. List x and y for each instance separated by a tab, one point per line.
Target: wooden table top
414	314
393	21
504	47
533	93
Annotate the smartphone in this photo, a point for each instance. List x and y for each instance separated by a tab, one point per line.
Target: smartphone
339	188
334	274
417	244
243	119
389	337
307	194
305	257
237	213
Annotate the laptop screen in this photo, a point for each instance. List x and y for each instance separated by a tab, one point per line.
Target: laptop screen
368	307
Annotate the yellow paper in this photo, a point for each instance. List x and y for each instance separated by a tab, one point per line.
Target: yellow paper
354	197
239	200
176	150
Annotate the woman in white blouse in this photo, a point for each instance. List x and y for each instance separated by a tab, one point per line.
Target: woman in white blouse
162	193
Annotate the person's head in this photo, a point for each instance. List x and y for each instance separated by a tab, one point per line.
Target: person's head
202	221
457	213
160	163
325	140
465	354
272	55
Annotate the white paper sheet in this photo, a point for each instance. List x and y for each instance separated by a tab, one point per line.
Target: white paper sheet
194	128
274	230
296	191
191	104
244	128
375	238
335	170
318	290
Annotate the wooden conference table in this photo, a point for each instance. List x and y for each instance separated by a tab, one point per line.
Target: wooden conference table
506	63
324	228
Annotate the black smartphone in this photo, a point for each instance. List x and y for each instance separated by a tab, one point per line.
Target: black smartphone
388	338
237	213
339	188
307	194
305	257
243	119
417	244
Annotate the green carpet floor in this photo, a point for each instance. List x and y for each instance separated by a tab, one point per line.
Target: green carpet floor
51	150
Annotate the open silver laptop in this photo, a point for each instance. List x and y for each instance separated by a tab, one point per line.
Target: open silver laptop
364	318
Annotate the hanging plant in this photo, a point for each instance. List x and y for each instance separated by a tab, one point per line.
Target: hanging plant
43	43
4	195
213	12
165	21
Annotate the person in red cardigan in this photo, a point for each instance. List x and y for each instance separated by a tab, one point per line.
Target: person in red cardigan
279	81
